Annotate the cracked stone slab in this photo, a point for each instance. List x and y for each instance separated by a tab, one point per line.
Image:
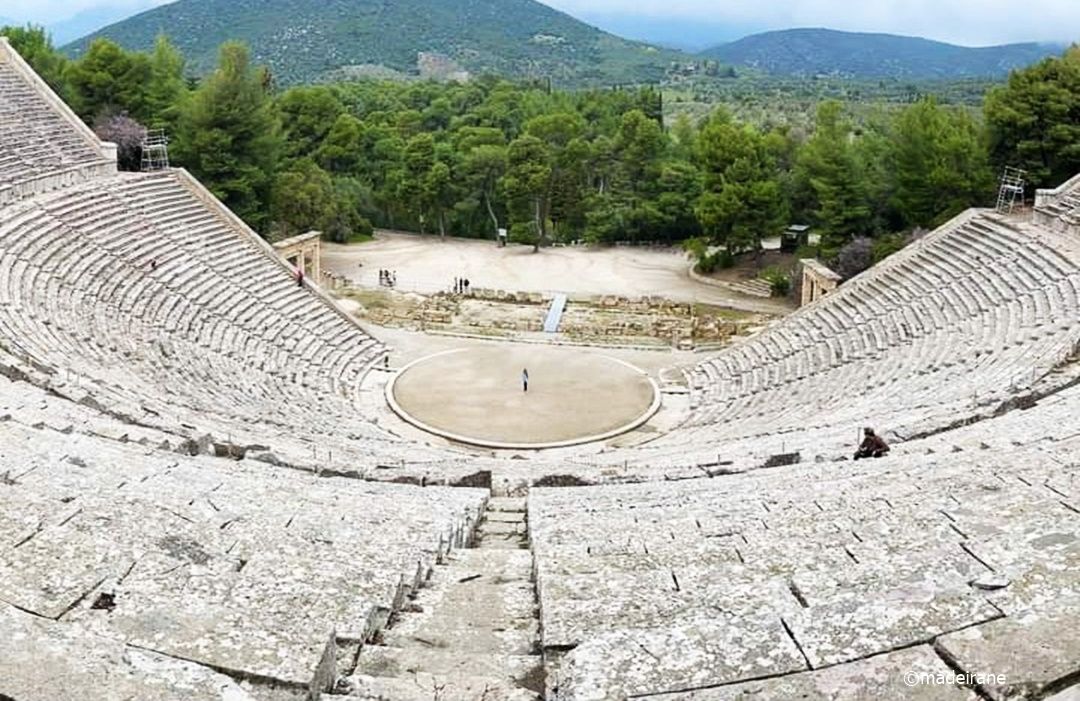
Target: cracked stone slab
878	677
101	540
211	614
45	661
1040	570
423	686
706	652
1034	651
919	569
848	629
634	556
385	661
575	608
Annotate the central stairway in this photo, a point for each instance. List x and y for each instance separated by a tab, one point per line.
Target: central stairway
470	633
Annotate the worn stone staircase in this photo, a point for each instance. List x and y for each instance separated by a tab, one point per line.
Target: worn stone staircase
471	633
754	287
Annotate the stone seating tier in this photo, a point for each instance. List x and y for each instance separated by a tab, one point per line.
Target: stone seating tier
966	318
230	565
38	141
95	278
965	557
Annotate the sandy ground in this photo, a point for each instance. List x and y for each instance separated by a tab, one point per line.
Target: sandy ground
477	392
429	264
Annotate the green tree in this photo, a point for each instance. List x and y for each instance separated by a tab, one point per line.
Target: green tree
483	162
628	209
1034	120
166	90
527	185
108	79
439	192
35	46
741	201
830	165
939	161
419	159
306	198
230	136
566	154
307	116
303	199
343	147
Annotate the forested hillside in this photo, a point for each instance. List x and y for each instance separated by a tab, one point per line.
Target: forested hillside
305	41
549	165
809	52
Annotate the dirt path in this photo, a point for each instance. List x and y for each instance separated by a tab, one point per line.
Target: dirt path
429	264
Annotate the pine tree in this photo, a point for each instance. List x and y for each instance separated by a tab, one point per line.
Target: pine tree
230	136
830	165
1034	120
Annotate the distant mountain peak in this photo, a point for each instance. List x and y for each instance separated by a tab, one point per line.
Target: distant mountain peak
818	51
304	41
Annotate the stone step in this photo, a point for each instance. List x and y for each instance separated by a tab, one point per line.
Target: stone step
464	636
504	542
526	671
425	687
487	527
757	288
503	563
504	517
506	504
516	599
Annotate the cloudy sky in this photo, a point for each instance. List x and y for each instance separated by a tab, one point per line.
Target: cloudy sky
969	22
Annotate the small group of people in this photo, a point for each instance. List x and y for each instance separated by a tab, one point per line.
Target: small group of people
388	278
872	446
461	285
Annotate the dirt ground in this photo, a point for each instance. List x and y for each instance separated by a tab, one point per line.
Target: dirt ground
429	264
477	392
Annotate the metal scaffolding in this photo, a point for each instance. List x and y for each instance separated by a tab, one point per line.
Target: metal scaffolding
1011	191
155	150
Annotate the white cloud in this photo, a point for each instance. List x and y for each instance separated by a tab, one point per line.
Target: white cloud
49	11
970	22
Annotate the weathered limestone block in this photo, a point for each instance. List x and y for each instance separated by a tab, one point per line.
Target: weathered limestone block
46	661
1032	651
60	565
211	615
853	628
617	594
879	677
701	653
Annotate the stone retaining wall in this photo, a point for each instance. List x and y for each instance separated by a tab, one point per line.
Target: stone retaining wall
596	318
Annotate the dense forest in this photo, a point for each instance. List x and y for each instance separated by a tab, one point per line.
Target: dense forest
599	165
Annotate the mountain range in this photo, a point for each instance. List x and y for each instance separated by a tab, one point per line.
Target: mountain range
809	52
305	41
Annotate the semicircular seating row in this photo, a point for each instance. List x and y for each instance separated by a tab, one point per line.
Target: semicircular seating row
949	555
132	290
111	550
134	313
971	315
34	139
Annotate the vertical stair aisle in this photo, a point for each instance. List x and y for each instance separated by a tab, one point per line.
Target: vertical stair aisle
470	633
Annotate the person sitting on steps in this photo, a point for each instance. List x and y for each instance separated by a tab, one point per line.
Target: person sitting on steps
873	445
